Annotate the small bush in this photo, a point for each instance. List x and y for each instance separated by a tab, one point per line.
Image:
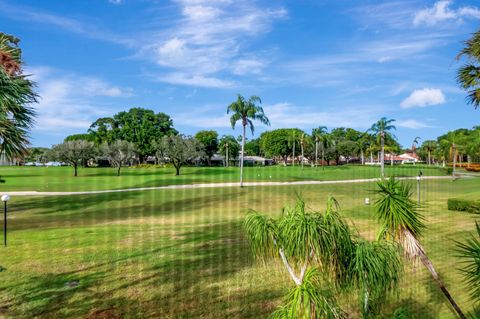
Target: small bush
448	170
464	205
148	166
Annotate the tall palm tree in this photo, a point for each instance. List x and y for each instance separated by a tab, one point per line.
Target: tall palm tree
381	129
468	76
318	135
430	146
292	142
402	223
246	111
415	142
17	93
303	137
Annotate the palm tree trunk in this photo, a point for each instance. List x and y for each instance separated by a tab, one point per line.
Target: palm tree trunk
454	160
363	157
391	159
316	153
241	157
429	159
302	154
293	160
371	157
428	264
226	155
323	156
382	156
118	170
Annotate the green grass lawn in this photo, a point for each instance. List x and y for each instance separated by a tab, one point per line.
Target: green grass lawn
62	179
183	254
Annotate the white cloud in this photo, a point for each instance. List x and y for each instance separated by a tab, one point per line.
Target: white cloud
441	11
208	41
194	80
423	98
115	1
412	124
70	102
285	114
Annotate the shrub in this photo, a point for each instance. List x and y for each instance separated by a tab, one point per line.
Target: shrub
464	205
448	170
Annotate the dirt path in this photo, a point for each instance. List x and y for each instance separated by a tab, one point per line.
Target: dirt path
209	185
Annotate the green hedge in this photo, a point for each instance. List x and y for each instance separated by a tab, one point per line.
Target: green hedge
464	205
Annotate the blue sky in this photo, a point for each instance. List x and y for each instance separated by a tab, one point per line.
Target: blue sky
332	63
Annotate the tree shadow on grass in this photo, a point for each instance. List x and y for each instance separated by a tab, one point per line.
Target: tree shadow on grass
96	209
183	279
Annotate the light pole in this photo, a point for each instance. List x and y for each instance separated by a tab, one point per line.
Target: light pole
419	177
5	199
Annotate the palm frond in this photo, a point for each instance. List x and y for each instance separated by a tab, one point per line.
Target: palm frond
469	252
396	210
308	301
262	234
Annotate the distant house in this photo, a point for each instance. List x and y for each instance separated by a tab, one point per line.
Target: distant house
257	161
402	158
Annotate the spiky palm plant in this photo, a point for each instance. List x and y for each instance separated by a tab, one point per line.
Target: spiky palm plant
375	269
403	224
16	95
306	242
468	75
313	245
309	301
246	111
469	251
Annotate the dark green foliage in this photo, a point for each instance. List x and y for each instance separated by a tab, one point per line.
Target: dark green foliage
278	142
138	125
209	139
464	205
82	136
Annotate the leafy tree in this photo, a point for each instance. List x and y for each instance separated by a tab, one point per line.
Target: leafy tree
429	146
119	153
209	139
382	129
402	223
246	111
138	125
275	143
74	152
83	136
252	147
468	76
348	149
37	154
16	94
229	146
179	150
104	130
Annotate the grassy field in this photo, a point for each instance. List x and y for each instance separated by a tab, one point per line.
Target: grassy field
62	179
183	254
